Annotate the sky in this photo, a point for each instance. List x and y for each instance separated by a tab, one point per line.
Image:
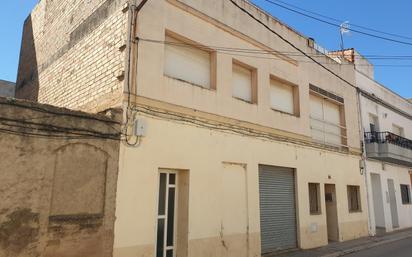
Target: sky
12	16
388	16
392	17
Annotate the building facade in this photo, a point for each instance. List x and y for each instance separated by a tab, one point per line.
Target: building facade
387	126
237	144
6	88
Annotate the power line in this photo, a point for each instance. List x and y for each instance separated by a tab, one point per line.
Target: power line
288	53
291	44
340	20
263	54
338	25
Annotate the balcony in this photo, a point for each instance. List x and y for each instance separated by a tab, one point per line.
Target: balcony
389	147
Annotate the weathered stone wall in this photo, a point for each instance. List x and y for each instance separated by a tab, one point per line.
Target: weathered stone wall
58	175
72	54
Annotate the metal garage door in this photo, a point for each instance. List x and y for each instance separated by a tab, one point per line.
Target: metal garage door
277	208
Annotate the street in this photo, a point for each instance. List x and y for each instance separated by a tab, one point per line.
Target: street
402	248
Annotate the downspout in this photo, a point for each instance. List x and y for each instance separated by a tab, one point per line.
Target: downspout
363	159
130	86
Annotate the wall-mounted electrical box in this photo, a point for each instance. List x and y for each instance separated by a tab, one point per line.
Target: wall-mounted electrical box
139	128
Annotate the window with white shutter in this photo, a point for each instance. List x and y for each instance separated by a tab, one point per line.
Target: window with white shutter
187	62
243	83
282	97
326	124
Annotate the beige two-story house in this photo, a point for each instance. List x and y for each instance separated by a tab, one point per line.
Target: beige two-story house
240	138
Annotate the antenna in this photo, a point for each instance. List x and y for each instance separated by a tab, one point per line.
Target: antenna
344	29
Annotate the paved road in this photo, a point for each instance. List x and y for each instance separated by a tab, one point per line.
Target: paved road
401	248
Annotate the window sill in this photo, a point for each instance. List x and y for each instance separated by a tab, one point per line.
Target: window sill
287	113
316	213
355	211
243	100
189	83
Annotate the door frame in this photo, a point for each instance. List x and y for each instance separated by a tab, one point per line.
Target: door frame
175	186
335	200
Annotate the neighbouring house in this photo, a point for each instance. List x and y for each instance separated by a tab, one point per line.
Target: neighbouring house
234	146
387	127
6	88
58	178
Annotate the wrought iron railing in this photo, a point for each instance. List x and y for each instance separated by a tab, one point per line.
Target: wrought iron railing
387	138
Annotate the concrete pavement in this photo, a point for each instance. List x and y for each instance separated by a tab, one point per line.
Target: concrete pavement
402	248
348	248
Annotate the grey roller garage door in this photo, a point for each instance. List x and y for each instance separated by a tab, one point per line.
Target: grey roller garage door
277	208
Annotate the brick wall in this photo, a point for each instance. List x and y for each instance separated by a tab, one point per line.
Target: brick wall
72	54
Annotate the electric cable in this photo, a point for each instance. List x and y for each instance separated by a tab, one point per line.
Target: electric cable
338	25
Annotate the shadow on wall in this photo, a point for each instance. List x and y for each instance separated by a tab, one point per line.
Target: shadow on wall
27	84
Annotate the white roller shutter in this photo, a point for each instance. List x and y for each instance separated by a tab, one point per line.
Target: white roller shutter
242	83
281	97
187	63
325	121
316	114
332	125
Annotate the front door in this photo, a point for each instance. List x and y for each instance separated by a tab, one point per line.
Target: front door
393	204
165	240
331	212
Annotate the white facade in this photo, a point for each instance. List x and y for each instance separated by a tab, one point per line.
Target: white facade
384	111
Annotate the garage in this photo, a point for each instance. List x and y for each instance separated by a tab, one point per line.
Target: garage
277	208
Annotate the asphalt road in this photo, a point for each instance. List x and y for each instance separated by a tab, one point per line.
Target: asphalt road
401	248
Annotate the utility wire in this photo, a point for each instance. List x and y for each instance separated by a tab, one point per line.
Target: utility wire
292	45
257	51
338	25
340	21
262	54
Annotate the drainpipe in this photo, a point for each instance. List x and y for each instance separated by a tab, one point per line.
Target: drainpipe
363	159
130	86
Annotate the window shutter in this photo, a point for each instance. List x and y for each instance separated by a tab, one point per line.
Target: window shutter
316	113
325	121
281	97
242	83
332	120
186	62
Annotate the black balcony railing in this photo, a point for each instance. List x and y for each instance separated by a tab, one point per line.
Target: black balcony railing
387	138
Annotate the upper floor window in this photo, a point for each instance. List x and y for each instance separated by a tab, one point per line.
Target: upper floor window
373	123
397	130
189	62
326	121
284	97
244	82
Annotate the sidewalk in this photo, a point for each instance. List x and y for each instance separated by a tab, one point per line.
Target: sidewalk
344	248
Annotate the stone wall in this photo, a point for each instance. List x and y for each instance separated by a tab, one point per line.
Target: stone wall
58	175
73	54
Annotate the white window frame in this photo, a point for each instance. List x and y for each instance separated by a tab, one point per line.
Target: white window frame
165	215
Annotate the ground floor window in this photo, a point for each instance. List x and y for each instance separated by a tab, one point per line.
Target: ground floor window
354	198
314	198
406	194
